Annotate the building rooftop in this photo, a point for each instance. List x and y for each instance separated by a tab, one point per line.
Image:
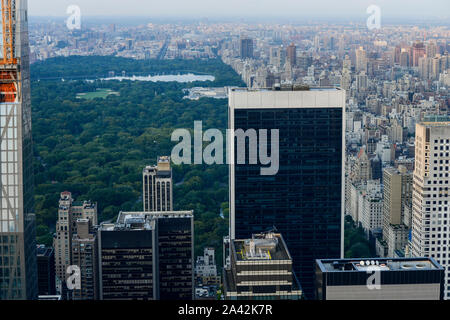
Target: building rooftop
162	169
141	220
266	246
381	264
286	87
287	97
43	251
436	120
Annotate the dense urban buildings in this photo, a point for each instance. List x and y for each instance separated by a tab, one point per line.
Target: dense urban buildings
158	186
362	114
18	270
207	279
305	200
261	268
430	196
379	279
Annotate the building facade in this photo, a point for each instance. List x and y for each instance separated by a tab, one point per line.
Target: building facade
18	279
127	264
379	279
158	186
147	256
397	195
246	48
430	199
84	255
46	270
305	199
69	211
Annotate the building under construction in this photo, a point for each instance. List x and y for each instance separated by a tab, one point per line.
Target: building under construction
18	278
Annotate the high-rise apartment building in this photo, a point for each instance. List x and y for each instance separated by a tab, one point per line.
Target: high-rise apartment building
246	48
292	54
431	197
361	60
416	51
18	276
84	255
304	200
371	206
397	195
69	211
147	256
379	279
260	269
158	186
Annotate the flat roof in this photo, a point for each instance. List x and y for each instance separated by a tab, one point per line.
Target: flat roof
381	264
151	214
265	249
322	97
44	251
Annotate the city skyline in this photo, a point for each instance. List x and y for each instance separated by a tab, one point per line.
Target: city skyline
352	9
113	198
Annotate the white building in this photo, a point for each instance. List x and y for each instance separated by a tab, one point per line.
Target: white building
430	199
206	264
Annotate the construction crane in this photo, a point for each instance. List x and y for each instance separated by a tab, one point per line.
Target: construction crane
8	32
8	63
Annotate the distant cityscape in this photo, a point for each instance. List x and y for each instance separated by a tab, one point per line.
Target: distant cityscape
363	120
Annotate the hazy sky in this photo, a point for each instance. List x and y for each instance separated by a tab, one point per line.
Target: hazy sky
241	8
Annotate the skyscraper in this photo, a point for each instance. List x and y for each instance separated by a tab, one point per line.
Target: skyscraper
361	60
46	270
246	48
69	211
84	255
417	51
292	54
157	185
147	256
305	199
430	198
397	195
127	260
18	279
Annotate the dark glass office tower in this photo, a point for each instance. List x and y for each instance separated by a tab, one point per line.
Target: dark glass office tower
127	262
175	245
147	256
46	270
304	200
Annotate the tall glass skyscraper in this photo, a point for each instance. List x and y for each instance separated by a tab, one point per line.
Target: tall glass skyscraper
18	278
304	201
